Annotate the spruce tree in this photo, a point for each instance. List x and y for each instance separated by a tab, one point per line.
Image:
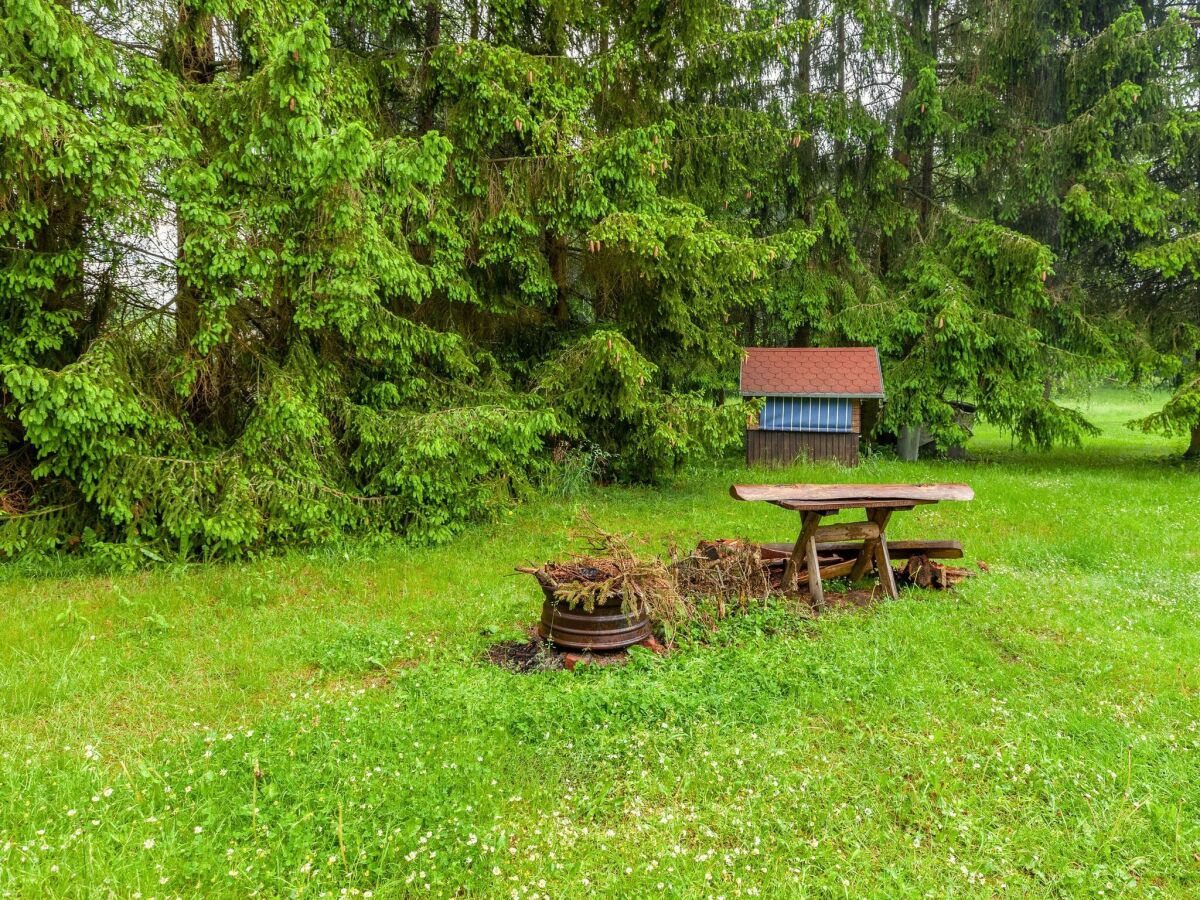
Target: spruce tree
279	271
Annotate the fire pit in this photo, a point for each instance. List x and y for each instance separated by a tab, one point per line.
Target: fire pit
582	620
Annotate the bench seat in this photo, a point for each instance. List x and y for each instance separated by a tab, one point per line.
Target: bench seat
896	549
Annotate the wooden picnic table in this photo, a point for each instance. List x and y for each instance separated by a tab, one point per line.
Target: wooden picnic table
815	501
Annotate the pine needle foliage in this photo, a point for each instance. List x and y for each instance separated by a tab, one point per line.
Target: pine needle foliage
280	271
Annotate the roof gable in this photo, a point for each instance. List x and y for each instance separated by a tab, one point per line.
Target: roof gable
811	372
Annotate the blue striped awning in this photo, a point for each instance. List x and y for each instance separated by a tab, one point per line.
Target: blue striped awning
825	414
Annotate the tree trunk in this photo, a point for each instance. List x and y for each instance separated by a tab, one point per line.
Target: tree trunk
926	198
64	230
187	304
427	102
1193	450
197	65
197	54
907	149
839	146
804	72
557	252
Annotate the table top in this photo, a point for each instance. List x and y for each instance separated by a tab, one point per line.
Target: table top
812	496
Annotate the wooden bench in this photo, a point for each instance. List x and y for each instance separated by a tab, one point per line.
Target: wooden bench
896	549
850	548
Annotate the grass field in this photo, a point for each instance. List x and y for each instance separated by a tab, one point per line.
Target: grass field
323	722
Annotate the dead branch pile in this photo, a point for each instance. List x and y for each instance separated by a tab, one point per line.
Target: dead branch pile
16	483
609	572
726	571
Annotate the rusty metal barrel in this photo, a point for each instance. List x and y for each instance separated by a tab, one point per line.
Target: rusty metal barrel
606	627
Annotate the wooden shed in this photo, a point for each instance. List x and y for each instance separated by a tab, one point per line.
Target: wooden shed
813	401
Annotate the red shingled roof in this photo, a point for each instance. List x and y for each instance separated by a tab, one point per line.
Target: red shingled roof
811	372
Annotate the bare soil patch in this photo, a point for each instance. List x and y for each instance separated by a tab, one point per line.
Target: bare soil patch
527	656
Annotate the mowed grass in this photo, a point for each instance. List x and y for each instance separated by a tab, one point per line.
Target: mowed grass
323	722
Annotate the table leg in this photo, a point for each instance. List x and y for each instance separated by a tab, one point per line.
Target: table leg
883	562
810	521
816	589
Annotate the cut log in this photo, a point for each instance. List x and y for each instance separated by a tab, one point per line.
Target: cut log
831	567
924	572
847	531
870	549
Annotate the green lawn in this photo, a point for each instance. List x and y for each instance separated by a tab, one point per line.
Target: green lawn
323	721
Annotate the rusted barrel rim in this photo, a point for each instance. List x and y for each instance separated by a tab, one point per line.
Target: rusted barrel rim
607	626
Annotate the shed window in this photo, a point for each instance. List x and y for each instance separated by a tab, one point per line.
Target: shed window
826	414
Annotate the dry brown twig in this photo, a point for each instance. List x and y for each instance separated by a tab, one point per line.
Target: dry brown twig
727	572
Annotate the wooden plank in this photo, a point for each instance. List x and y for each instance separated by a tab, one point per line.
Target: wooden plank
906	549
847	531
833	506
831	570
825	562
896	549
840	492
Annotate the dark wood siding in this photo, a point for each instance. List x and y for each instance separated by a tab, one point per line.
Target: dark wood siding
766	448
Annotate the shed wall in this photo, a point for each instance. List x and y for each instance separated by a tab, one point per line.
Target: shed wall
781	448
